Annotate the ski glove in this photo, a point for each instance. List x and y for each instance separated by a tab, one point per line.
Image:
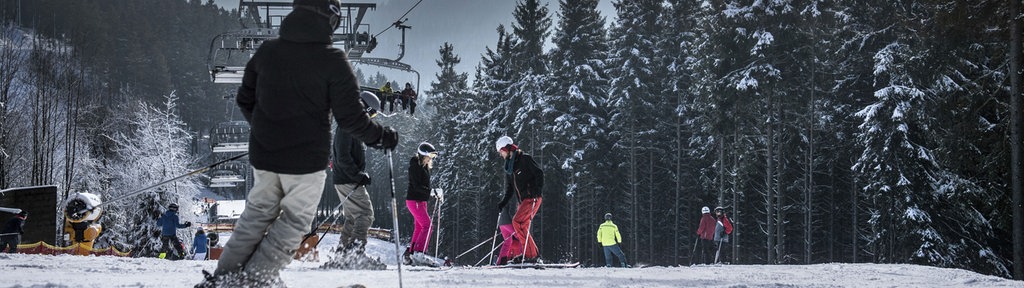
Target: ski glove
188	224
364	179
388	139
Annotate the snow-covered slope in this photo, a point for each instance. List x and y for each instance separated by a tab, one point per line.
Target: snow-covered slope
19	270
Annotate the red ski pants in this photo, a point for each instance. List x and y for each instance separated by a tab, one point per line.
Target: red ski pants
521	223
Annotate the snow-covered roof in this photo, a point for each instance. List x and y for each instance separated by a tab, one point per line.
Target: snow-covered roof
230	209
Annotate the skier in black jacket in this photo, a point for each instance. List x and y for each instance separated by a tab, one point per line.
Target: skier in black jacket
417	196
291	87
350	182
525	180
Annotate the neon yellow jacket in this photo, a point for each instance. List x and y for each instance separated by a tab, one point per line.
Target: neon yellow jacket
608	234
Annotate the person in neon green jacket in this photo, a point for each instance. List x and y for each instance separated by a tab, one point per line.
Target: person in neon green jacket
609	237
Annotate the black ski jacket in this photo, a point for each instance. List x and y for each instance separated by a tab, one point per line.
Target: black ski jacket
526	179
419	181
15	225
291	86
349	158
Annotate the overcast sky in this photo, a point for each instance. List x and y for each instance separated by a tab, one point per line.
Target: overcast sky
468	24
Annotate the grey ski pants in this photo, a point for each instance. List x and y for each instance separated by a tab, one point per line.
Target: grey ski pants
278	211
358	212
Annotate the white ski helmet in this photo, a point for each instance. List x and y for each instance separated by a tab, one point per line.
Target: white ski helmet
502	142
607	216
425	149
371	102
705	210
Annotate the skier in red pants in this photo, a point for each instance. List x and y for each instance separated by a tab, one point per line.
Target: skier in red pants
524	180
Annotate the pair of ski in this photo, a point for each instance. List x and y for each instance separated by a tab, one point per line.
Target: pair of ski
534	265
506	266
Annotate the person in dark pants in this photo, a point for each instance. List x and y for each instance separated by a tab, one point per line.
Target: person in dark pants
169	225
11	235
409	99
388	95
706	232
723	228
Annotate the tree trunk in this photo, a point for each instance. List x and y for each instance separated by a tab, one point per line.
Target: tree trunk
1015	140
769	186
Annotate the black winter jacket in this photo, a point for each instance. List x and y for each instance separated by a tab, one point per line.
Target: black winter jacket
349	158
419	181
291	86
15	225
526	180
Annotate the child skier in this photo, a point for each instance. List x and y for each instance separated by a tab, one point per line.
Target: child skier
200	245
507	232
723	228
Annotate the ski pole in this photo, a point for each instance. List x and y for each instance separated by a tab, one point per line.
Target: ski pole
477	246
497	228
695	240
488	254
334	215
437	235
526	241
133	193
394	215
718	251
317	227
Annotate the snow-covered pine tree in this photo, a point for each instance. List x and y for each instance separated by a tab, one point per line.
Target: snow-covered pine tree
156	148
635	104
922	208
451	97
578	93
677	46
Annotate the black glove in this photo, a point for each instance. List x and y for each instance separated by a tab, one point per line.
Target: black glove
388	139
188	224
363	179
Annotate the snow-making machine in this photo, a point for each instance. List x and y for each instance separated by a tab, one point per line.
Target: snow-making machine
81	220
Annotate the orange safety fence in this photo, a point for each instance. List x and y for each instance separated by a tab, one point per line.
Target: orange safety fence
76	249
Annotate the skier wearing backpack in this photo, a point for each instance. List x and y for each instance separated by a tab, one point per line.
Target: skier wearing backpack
292	86
350	182
609	237
416	199
706	232
525	180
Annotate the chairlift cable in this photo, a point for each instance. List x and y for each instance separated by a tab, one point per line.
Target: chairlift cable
399	20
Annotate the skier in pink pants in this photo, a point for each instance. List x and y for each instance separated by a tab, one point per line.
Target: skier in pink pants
416	198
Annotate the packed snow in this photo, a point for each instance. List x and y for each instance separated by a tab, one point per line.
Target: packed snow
22	270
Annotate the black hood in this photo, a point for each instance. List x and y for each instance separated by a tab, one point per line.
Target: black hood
304	26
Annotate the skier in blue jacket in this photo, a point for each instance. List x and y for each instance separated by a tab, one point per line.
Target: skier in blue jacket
199	245
169	223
